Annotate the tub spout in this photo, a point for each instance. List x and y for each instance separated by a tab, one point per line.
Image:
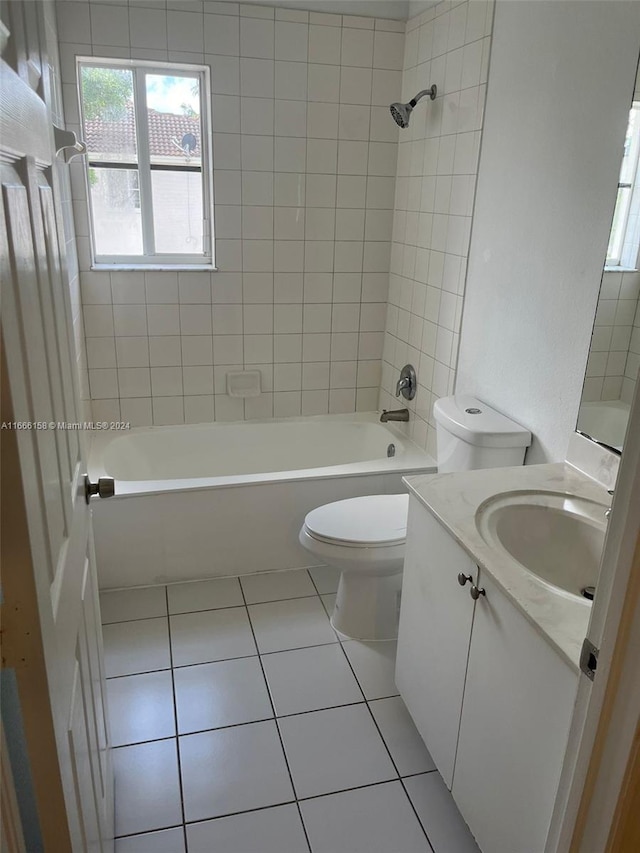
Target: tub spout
395	415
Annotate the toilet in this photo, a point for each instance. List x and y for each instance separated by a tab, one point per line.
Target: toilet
364	537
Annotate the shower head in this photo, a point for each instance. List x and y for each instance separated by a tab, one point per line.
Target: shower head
401	113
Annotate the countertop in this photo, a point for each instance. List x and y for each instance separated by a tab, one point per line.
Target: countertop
454	499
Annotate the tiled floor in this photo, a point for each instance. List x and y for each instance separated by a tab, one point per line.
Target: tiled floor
244	724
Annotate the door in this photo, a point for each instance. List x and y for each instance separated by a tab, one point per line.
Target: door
518	700
37	352
433	640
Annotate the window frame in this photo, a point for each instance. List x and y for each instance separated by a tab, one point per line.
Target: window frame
154	260
627	201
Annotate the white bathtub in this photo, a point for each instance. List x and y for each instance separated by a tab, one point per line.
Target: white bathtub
212	500
605	420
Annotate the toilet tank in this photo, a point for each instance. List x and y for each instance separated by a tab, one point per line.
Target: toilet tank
472	435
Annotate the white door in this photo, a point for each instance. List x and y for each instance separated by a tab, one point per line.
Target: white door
433	639
37	344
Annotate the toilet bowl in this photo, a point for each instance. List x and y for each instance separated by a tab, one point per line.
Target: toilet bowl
364	538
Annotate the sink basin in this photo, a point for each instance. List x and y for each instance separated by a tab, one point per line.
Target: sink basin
558	538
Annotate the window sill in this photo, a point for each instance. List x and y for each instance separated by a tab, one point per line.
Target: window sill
153	268
621	269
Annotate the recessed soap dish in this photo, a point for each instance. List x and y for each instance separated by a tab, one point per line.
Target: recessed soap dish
243	383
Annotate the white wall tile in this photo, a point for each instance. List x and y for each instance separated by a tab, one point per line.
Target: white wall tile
286	295
185	31
323	83
324	44
163	319
103	383
168	410
110	24
257	78
147	27
132	351
291	80
291	41
101	352
256	38
357	47
164	350
222	34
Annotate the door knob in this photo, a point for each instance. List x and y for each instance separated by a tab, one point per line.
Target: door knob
104	488
462	578
475	592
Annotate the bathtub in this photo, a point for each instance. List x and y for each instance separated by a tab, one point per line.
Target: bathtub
605	421
213	500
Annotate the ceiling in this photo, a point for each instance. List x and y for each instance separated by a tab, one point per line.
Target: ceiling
398	9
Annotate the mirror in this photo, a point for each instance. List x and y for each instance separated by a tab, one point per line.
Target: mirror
614	355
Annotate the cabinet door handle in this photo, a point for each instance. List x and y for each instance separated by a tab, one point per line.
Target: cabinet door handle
475	592
462	578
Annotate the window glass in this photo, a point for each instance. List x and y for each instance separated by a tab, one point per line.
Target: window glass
108	111
115	202
623	242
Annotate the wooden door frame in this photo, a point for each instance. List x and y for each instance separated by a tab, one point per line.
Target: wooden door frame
22	646
615	757
11	835
595	811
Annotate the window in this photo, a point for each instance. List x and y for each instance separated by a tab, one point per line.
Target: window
625	230
148	163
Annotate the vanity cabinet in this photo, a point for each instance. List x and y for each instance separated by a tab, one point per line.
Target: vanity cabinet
490	697
433	638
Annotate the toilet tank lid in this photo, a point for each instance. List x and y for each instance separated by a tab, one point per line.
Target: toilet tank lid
476	423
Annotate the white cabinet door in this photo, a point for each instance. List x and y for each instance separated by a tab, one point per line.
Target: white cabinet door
433	641
518	701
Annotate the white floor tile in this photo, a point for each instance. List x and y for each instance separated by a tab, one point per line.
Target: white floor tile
124	605
401	736
165	841
204	595
378	819
310	679
275	830
147	787
131	647
226	693
332	750
276	586
141	707
325	578
233	770
292	624
329	602
210	636
374	665
439	814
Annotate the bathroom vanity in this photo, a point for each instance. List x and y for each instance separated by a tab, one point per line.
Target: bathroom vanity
488	651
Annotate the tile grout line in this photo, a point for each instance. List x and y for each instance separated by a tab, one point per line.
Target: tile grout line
206	609
366	701
175	721
266	808
400	778
273	709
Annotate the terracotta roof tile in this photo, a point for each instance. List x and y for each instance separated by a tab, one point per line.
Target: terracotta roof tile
167	133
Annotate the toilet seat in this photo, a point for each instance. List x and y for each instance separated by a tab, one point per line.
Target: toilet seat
372	521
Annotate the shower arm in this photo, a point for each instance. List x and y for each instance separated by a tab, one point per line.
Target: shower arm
431	91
